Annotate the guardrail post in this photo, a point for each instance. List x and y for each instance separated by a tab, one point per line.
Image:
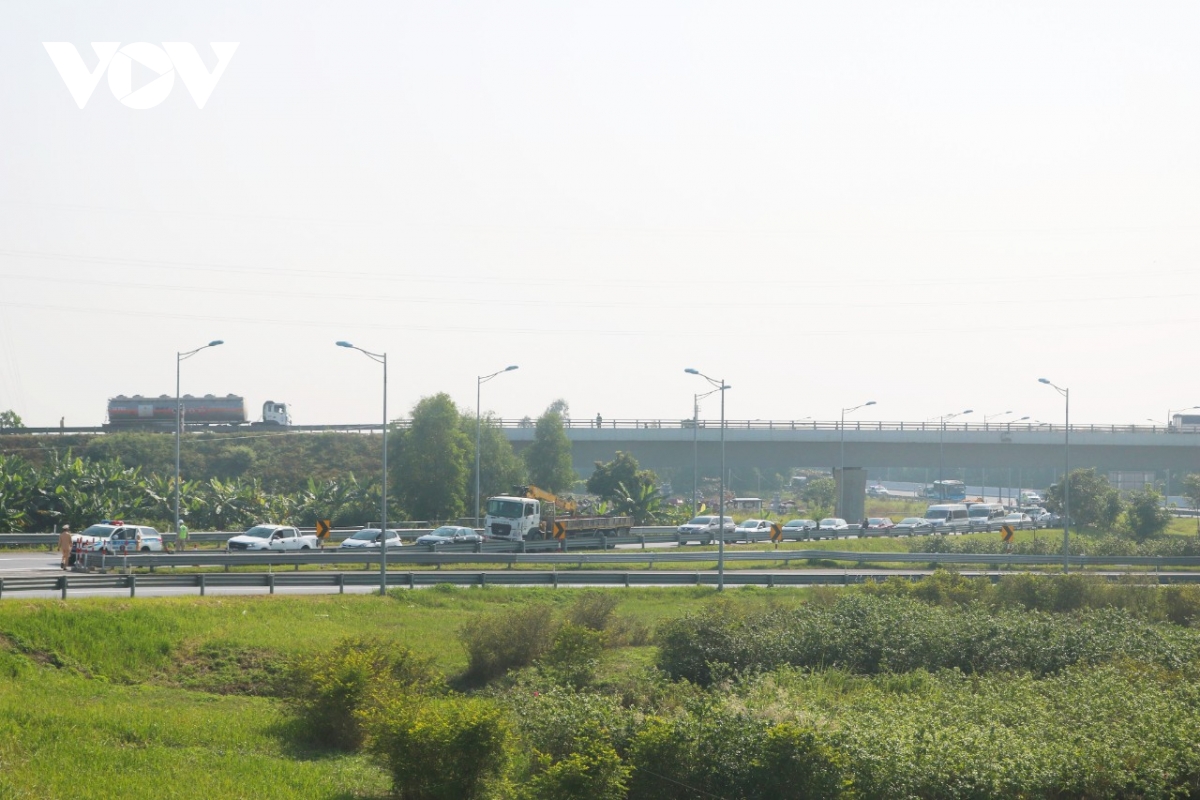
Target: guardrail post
555	574
62	582
482	579
697	577
297	569
770	580
626	579
411	581
271	581
133	585
1	587
202	587
341	583
603	542
642	536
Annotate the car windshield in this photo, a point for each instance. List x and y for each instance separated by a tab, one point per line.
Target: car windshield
445	530
937	513
367	534
261	531
751	523
701	521
796	523
976	511
911	521
875	521
829	521
98	530
505	508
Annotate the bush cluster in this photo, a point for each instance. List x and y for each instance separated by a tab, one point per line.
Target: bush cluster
331	690
568	648
1142	598
1051	545
871	634
949	687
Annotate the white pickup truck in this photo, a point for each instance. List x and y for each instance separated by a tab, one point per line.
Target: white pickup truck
272	537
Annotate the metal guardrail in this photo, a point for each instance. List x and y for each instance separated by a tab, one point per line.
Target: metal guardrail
271	581
651	534
442	557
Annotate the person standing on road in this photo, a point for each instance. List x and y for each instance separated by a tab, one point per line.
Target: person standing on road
64	544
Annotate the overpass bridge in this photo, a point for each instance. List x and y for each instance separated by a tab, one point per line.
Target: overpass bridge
779	446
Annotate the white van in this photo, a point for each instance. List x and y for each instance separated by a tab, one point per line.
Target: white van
985	512
953	515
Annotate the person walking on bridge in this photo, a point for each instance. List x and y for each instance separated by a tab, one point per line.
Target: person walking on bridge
64	544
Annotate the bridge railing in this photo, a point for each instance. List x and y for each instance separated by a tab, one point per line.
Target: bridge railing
632	424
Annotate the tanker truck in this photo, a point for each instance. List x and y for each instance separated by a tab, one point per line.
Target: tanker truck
533	513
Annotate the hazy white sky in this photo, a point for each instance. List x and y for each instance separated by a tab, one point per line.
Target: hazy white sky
925	204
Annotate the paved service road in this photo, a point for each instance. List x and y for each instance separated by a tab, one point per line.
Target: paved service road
26	562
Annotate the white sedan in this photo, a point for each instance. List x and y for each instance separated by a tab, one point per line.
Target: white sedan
752	527
450	534
369	537
833	524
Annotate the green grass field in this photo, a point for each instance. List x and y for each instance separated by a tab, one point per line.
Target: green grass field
180	697
156	698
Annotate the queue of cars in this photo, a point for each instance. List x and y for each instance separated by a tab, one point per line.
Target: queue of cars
114	537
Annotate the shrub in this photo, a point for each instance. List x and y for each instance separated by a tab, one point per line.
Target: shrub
573	657
330	688
1182	604
713	751
508	639
593	610
594	773
446	748
557	721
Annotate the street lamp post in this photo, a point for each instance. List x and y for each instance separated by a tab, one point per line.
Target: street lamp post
696	398
179	359
1066	393
380	358
479	382
842	467
719	386
942	442
987	417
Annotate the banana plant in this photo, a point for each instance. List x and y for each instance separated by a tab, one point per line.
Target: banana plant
643	504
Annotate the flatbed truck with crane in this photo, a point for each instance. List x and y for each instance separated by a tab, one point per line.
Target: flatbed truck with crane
530	513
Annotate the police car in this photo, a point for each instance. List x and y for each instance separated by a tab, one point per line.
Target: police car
115	537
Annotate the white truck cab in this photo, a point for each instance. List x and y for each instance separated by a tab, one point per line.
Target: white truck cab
276	413
513	518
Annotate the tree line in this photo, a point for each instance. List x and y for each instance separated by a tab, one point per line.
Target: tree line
229	481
